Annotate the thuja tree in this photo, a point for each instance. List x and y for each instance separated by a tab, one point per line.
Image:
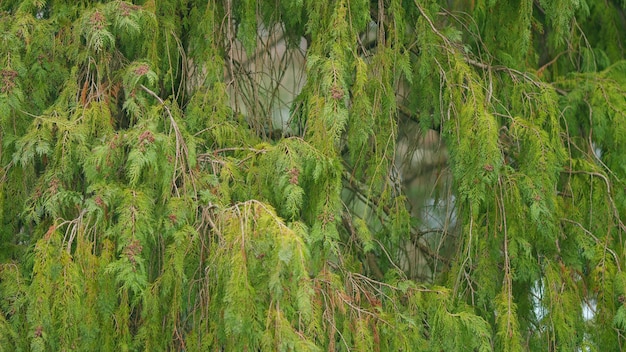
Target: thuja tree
143	209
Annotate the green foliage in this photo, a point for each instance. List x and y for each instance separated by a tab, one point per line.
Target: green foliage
141	210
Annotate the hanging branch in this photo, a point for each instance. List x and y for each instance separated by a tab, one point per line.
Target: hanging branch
182	152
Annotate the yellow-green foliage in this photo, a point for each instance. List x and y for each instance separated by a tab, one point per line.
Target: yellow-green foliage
139	210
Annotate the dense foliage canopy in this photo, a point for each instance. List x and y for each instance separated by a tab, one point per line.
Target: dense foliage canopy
243	175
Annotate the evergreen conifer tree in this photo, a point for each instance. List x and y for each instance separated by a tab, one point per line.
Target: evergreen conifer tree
437	176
